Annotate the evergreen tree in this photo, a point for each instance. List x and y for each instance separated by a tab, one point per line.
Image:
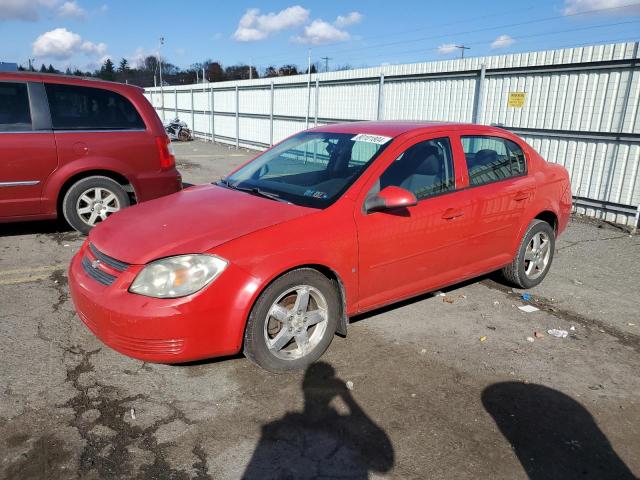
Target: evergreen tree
107	71
43	69
124	65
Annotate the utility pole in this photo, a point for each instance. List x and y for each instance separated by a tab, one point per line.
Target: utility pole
326	63
160	70
462	49
160	60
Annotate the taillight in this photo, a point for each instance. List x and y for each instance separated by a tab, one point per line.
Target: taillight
166	153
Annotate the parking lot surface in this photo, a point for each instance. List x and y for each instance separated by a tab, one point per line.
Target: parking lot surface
464	385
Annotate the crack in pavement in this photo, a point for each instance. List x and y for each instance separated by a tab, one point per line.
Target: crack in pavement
624	338
590	240
108	437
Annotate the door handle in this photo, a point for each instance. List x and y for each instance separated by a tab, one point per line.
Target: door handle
520	196
452	213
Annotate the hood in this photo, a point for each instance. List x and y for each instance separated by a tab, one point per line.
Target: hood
191	221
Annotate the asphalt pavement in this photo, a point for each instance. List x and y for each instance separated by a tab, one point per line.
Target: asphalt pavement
464	385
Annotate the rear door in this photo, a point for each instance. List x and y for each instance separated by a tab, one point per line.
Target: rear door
91	122
497	173
27	147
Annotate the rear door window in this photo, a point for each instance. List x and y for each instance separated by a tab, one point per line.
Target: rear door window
490	159
86	108
15	115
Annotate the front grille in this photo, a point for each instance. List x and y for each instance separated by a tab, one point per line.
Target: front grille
98	275
107	260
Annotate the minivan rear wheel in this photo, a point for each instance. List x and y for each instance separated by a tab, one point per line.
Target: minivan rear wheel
92	200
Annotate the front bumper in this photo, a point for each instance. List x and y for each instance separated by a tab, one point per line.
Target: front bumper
207	324
157	184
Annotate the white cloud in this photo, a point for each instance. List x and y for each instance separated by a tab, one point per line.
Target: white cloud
349	19
26	10
319	32
60	43
72	10
136	59
254	26
447	48
502	41
606	7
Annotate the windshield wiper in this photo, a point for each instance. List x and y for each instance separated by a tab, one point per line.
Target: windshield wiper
254	191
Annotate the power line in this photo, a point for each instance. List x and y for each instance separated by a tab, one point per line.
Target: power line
484	29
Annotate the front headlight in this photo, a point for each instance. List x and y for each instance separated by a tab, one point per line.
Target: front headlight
179	276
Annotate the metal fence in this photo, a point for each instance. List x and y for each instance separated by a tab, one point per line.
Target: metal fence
578	107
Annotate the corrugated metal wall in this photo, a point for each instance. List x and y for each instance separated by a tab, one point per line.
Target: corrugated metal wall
582	109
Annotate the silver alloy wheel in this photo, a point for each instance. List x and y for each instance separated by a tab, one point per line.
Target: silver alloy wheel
296	322
537	255
96	203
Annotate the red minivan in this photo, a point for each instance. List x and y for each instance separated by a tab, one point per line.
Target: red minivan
79	147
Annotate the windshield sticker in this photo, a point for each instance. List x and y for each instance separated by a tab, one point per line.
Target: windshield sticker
365	137
316	194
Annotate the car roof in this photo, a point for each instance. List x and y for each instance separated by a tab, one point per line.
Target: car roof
65	79
391	128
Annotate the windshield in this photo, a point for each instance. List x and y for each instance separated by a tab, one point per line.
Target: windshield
311	169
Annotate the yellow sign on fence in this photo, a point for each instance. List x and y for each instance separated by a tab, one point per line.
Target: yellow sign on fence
516	99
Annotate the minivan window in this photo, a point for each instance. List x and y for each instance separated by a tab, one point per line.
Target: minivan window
86	108
14	107
490	159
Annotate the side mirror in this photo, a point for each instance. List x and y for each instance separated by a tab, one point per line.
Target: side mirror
390	198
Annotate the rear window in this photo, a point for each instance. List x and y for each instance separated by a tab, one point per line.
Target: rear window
86	108
490	159
14	107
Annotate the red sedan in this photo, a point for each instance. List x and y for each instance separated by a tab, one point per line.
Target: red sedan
332	222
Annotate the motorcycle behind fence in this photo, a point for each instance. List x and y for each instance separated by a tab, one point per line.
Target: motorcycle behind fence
177	130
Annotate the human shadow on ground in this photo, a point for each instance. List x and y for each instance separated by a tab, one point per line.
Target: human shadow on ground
319	442
553	435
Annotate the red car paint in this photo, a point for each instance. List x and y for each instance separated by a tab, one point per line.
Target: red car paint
55	159
378	258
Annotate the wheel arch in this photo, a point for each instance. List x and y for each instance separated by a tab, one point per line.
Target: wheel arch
68	183
550	217
328	272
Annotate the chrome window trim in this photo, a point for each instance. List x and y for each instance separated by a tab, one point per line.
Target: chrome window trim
25	183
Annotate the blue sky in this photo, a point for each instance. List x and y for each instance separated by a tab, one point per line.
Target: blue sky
82	33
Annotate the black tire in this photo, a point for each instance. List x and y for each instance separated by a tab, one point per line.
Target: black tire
515	272
255	344
70	200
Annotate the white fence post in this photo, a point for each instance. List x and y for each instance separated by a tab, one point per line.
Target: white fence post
237	117
317	102
478	103
175	98
380	114
211	109
271	117
193	116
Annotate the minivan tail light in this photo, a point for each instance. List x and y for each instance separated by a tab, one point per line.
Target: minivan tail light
166	153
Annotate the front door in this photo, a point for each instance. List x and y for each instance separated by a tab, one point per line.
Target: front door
408	251
27	154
